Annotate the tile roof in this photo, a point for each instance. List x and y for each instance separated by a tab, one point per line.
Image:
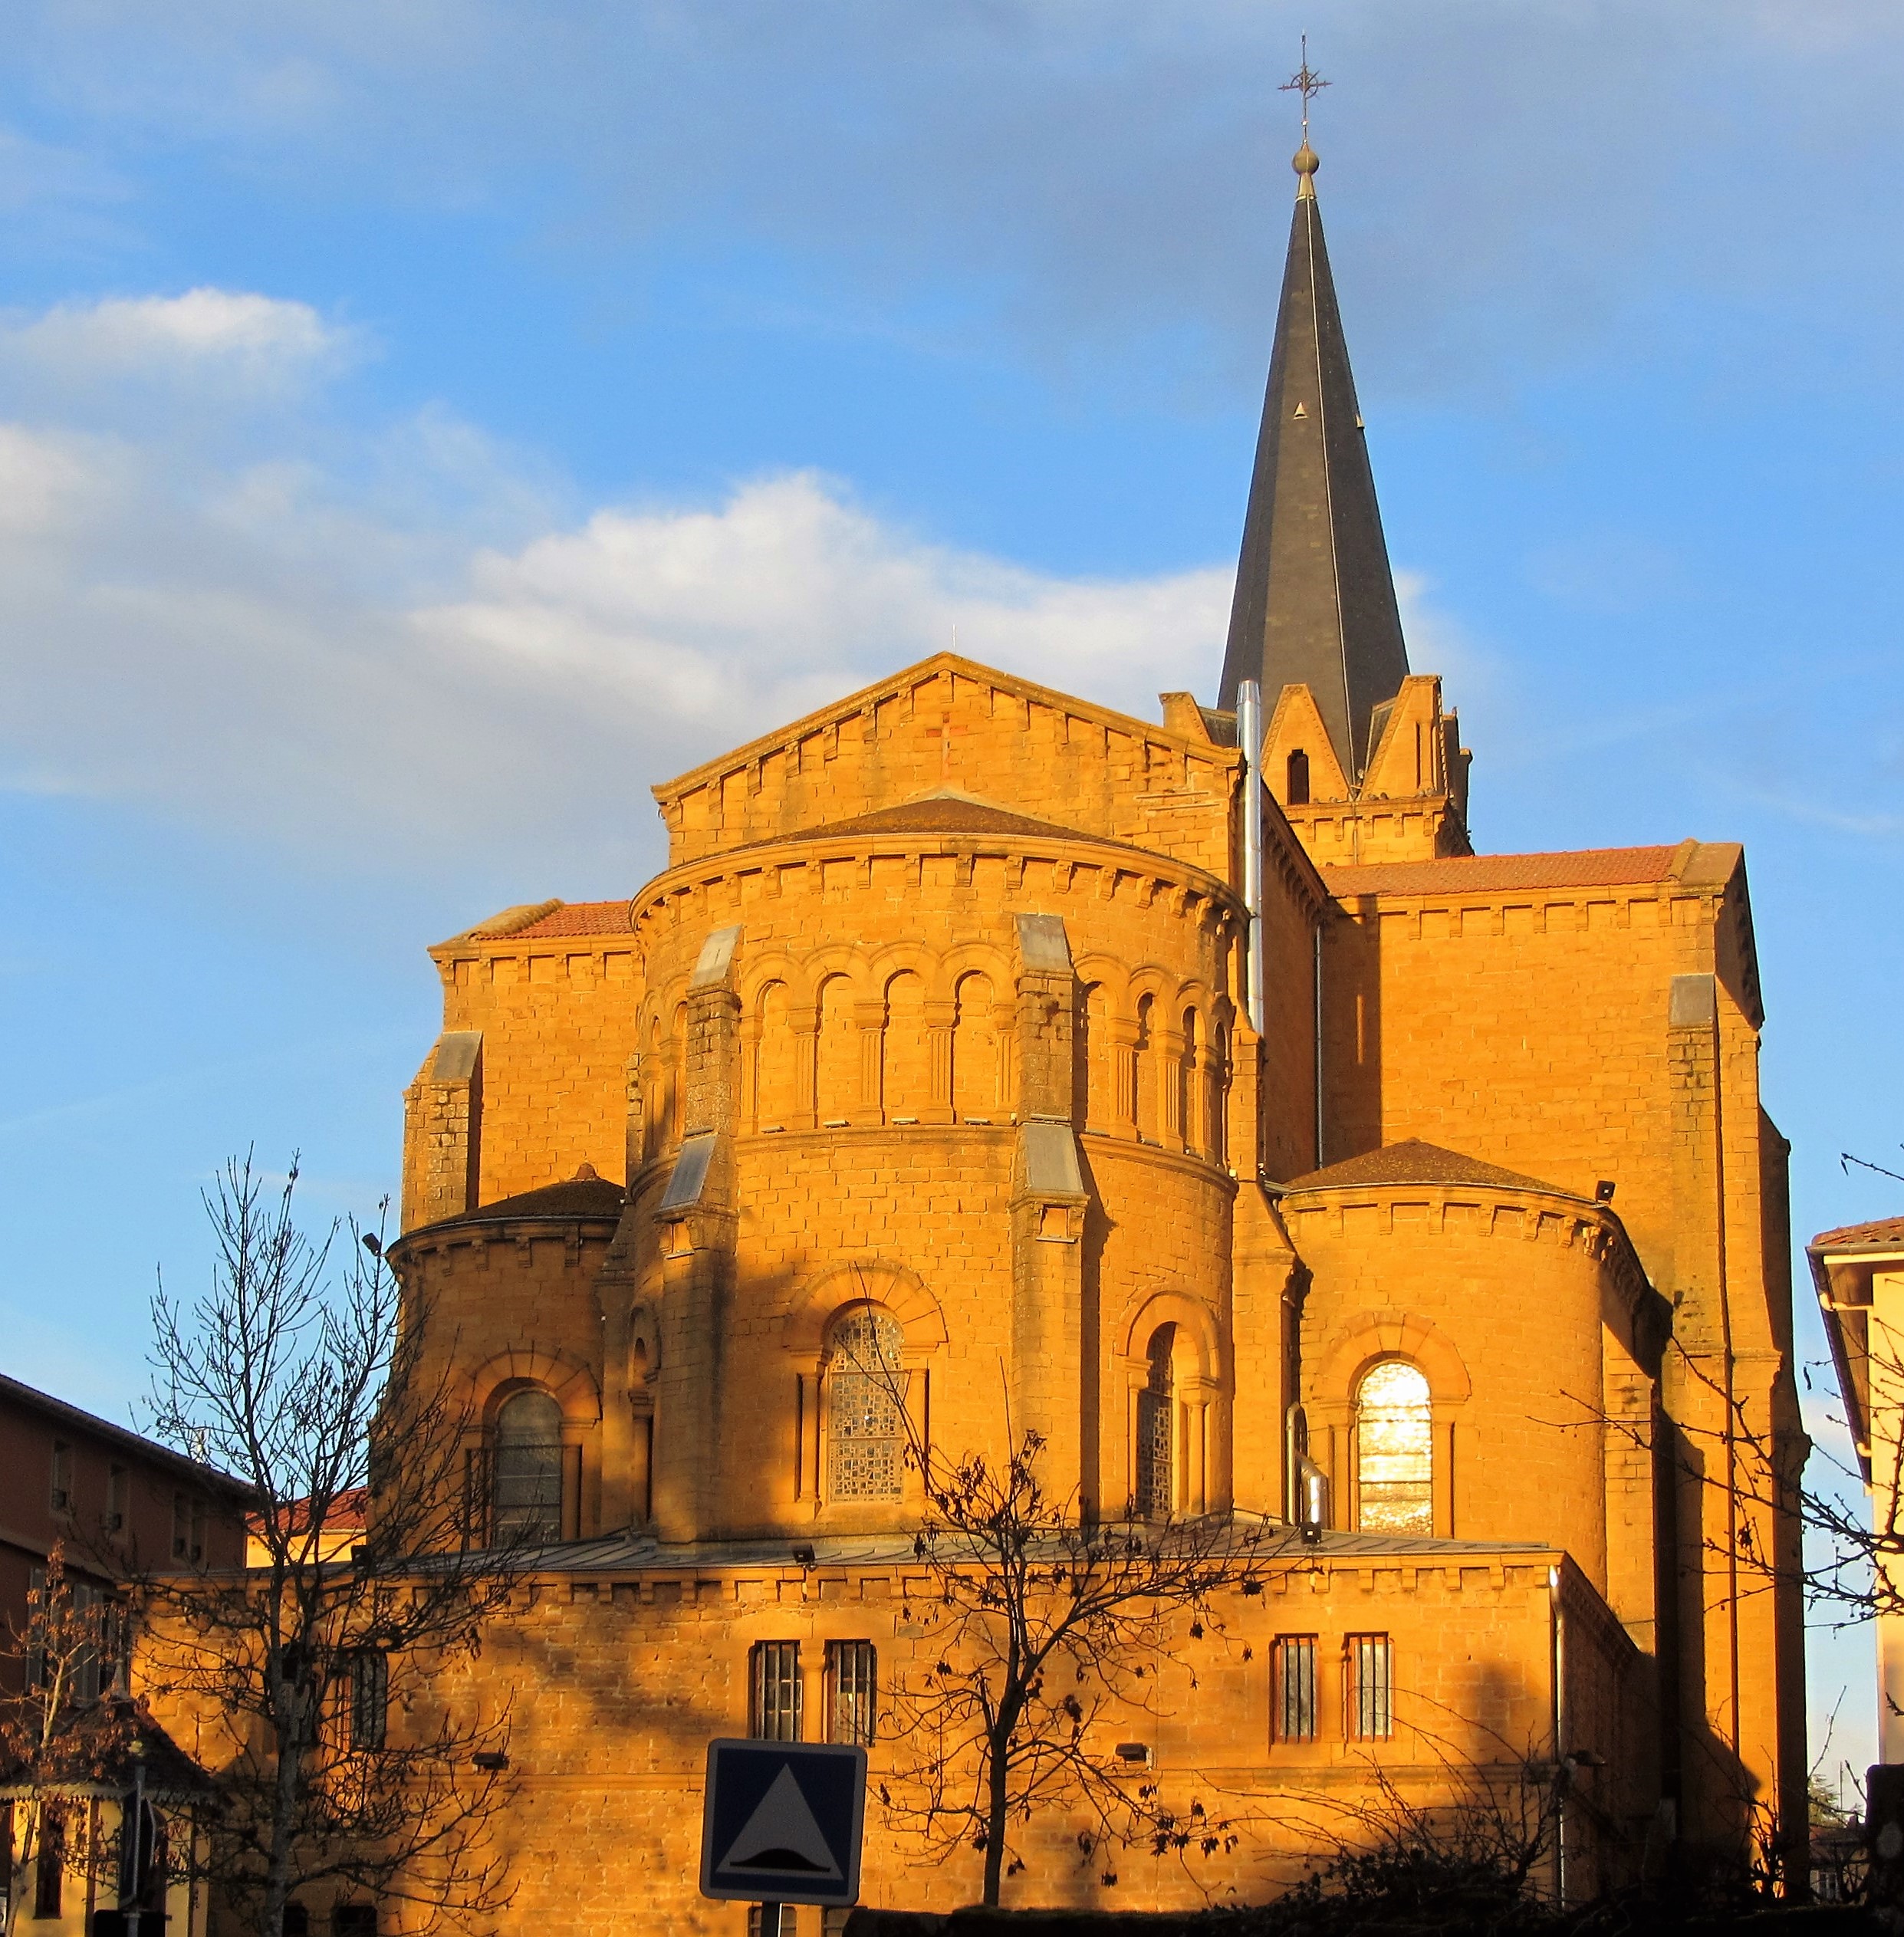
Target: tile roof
1859	1237
583	1195
1592	867
579	918
1414	1161
944	812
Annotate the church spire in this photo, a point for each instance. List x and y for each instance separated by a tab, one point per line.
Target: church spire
1315	599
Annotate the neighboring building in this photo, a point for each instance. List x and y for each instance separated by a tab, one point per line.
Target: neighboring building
126	1832
119	1502
342	1528
1859	1272
932	1042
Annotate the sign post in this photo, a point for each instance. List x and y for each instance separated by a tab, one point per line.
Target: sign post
781	1822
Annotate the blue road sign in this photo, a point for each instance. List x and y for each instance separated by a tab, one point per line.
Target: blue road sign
780	1822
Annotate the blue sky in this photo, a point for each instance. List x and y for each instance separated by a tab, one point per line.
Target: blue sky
423	426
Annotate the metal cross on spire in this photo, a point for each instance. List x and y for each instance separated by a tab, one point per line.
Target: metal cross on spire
1306	82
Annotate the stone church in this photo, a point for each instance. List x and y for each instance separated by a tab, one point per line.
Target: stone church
1189	1090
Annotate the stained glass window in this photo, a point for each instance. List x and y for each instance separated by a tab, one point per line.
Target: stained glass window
1395	1431
528	1469
1156	1407
866	1427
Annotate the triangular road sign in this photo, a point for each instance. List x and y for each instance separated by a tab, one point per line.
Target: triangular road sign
781	1835
780	1822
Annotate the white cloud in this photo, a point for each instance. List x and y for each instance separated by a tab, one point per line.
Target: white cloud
431	669
230	338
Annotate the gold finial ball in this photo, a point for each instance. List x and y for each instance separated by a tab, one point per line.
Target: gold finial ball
1305	161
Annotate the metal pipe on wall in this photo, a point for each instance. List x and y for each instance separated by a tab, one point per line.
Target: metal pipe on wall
1249	737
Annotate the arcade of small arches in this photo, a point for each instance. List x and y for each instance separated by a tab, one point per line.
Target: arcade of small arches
935	1042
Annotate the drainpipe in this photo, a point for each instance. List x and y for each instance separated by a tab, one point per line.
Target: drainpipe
1318	1000
1249	734
1556	1669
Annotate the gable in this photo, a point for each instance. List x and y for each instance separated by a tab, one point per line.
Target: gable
949	724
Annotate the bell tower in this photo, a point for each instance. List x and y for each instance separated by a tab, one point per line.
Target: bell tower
1360	752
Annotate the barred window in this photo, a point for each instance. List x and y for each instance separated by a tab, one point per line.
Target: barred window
370	1699
774	1705
529	1468
1368	1686
852	1690
866	1428
1294	1710
1395	1434
354	1920
1156	1410
297	1921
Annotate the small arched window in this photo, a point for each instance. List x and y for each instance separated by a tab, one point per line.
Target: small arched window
1156	1420
1296	789
865	1426
528	1471
1395	1477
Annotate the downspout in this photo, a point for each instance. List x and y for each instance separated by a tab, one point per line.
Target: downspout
1318	1002
1249	734
1557	1670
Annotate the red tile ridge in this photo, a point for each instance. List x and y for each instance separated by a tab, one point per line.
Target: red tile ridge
1592	867
1881	1231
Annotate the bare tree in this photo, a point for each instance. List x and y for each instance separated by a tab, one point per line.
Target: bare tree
57	1743
1040	1629
299	1371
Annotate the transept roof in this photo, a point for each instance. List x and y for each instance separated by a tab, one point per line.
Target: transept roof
1413	1162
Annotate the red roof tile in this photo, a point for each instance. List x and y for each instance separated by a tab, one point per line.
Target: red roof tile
1414	1161
1860	1237
581	918
1593	867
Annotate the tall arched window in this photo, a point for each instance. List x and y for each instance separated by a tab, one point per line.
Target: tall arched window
1156	1423
836	1053
1394	1476
774	1088
866	1429
527	1501
908	1074
1189	1089
975	1089
1149	1127
678	1094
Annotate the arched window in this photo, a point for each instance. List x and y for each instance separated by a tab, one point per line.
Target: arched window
774	1088
1216	1096
835	1054
677	1093
528	1472
1394	1478
1157	1422
1149	1129
976	1094
1296	789
866	1429
908	1070
1189	1116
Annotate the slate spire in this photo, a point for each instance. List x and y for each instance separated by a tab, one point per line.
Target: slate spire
1315	599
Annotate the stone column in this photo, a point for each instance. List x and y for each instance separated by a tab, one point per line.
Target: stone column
941	1018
